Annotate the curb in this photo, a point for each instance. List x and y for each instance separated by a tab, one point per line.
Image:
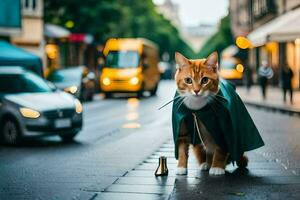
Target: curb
140	182
273	108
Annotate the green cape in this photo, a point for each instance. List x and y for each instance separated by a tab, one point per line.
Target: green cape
225	117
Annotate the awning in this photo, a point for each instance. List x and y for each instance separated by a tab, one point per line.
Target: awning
81	37
54	31
11	55
281	29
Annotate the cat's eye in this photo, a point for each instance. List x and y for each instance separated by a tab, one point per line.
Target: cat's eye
204	80
188	80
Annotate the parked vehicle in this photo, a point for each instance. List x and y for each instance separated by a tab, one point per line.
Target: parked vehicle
77	81
30	107
131	65
231	67
166	70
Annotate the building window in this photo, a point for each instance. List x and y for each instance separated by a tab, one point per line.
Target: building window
26	4
30	5
32	8
263	7
33	4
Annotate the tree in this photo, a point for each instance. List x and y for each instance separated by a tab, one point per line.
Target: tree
105	19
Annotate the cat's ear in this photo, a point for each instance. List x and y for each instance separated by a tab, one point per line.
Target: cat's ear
181	60
212	61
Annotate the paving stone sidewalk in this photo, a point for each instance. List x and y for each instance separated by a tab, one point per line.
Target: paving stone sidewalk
140	182
264	179
274	100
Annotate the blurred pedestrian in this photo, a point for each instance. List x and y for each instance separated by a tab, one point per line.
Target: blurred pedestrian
249	80
286	81
265	73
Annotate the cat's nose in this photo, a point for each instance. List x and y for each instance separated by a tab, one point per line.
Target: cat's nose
196	91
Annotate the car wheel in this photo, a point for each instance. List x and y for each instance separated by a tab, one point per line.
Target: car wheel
91	96
140	93
10	132
84	95
107	95
153	92
67	138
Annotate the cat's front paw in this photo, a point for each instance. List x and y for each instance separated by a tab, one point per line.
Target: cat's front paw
216	171
181	171
204	166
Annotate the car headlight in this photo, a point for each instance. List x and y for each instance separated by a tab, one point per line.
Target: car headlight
29	113
106	81
239	68
134	81
72	89
78	106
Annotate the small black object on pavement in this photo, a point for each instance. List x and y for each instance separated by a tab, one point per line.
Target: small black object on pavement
162	169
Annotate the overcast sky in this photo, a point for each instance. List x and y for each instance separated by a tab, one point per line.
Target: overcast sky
193	12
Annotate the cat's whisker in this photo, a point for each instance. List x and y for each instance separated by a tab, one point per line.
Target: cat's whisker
214	97
220	97
182	101
179	106
169	102
179	101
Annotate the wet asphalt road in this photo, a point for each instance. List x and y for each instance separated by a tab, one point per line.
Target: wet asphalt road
119	134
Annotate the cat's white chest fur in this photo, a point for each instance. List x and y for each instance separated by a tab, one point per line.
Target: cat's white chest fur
195	102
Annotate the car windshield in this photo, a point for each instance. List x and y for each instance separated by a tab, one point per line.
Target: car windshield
122	59
22	83
65	76
227	64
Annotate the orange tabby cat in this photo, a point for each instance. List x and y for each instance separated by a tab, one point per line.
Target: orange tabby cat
196	81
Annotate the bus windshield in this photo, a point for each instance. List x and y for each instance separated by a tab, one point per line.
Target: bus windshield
122	59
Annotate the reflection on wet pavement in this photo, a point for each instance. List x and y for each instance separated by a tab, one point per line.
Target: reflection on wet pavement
132	116
132	125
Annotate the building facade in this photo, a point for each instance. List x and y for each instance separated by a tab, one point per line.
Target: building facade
273	28
31	36
170	11
196	36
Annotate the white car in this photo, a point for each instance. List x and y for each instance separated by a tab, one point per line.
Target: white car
31	107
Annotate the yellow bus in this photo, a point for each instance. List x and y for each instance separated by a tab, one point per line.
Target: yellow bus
131	65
